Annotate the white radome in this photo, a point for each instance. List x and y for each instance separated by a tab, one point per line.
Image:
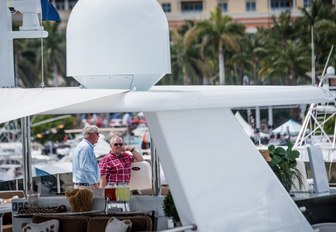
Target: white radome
133	52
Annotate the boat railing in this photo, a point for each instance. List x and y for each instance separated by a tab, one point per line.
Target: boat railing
192	227
44	184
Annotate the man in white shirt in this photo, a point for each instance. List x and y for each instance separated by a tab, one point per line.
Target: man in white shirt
85	170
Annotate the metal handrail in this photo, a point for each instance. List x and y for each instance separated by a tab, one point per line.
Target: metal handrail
181	228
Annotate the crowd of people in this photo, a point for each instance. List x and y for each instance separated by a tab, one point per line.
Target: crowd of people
102	120
115	167
275	139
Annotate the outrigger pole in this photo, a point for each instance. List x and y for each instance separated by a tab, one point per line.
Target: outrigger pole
302	134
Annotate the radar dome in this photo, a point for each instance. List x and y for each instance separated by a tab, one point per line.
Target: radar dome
119	44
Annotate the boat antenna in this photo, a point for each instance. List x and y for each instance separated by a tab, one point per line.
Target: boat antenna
313	55
42	66
42	54
325	66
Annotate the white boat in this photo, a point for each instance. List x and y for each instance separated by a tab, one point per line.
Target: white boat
119	63
313	129
10	172
11	159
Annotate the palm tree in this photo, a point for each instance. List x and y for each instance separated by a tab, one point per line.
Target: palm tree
24	61
53	52
284	27
291	60
186	56
248	60
222	32
286	58
317	17
28	58
209	67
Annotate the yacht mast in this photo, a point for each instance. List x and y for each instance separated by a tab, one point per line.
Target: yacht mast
6	47
313	72
31	28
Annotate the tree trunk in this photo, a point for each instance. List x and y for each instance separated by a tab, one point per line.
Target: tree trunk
255	71
186	79
205	80
236	75
55	74
221	65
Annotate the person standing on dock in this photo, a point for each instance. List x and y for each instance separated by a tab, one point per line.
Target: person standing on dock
115	167
85	170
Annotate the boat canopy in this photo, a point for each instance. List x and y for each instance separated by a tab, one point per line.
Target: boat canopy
290	127
18	103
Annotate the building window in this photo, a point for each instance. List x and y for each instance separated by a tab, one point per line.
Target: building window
166	7
195	6
223	6
281	4
306	3
250	6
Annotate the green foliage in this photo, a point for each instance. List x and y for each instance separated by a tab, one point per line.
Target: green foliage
283	164
219	35
277	55
169	208
51	131
329	126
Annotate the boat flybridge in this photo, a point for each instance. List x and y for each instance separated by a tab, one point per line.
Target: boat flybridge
118	50
313	129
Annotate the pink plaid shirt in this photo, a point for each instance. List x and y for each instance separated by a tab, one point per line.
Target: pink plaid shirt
117	169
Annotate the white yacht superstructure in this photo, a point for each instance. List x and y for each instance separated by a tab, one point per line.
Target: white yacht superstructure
202	161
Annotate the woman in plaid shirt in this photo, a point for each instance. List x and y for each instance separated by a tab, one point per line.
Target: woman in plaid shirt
116	166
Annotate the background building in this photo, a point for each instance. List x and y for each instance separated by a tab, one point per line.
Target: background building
252	13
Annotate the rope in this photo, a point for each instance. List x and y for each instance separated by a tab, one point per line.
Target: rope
42	61
42	56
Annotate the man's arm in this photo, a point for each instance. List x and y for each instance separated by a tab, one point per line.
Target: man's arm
102	181
95	186
136	155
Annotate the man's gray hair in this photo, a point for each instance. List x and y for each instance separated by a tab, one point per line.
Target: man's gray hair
90	129
115	137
